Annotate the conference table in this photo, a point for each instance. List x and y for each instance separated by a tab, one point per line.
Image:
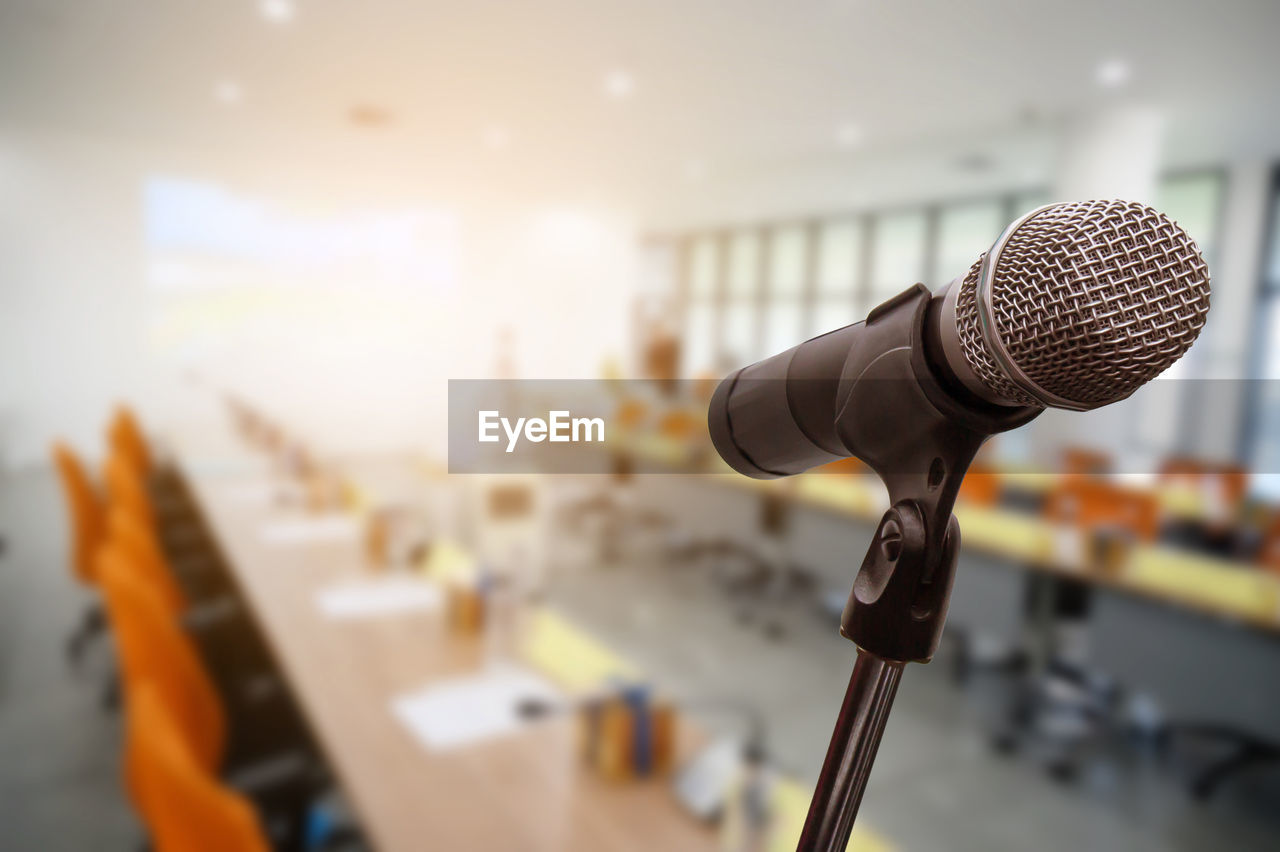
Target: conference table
1219	587
526	790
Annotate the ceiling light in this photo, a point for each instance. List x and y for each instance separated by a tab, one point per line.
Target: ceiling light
368	115
1112	73
495	137
278	11
227	92
848	134
619	84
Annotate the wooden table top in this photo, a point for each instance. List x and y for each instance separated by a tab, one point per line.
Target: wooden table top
525	791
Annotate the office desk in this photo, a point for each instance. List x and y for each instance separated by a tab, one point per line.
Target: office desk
1239	592
524	791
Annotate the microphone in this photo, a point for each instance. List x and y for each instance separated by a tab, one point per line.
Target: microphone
1075	306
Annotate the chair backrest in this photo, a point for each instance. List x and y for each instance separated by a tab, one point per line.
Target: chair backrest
152	648
85	507
125	434
125	487
1086	461
1269	553
137	539
1086	502
184	806
1231	480
631	413
980	486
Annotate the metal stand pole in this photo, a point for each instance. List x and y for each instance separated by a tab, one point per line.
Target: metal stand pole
849	757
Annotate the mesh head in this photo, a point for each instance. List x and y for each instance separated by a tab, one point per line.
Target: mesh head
1080	304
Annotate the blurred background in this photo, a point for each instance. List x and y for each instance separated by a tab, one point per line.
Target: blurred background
245	245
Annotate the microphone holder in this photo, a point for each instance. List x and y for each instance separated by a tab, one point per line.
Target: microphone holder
920	437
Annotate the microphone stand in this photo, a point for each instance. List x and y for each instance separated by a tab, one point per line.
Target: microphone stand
854	743
920	437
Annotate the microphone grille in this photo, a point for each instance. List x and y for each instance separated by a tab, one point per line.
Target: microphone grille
1087	301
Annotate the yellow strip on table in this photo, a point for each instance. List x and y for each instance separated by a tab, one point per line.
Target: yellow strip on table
1008	533
447	560
791	804
570	656
1227	586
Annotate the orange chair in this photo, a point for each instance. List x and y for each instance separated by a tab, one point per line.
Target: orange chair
1088	503
1270	552
84	504
850	465
154	649
981	487
125	434
137	541
681	425
126	488
1232	480
184	807
1084	461
631	413
85	508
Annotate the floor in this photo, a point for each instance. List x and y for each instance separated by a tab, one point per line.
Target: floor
59	754
936	783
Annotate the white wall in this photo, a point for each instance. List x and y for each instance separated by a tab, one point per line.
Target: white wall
366	373
71	298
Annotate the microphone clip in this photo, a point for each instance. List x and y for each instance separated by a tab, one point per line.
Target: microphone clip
897	415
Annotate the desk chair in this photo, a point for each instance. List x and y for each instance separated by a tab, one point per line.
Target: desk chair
165	495
610	515
1214	525
85	510
1063	703
184	808
126	434
213	617
252	740
760	577
1241	750
973	649
182	539
1269	552
1083	461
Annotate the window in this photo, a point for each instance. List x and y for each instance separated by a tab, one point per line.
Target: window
965	231
742	299
1193	201
1265	452
744	266
699	339
897	255
701	329
738	338
1024	202
702	269
754	292
788	279
837	277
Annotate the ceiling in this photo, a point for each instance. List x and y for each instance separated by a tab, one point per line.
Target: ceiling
513	96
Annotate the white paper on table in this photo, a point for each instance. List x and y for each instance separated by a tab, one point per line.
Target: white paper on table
461	711
309	530
230	465
264	492
382	596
